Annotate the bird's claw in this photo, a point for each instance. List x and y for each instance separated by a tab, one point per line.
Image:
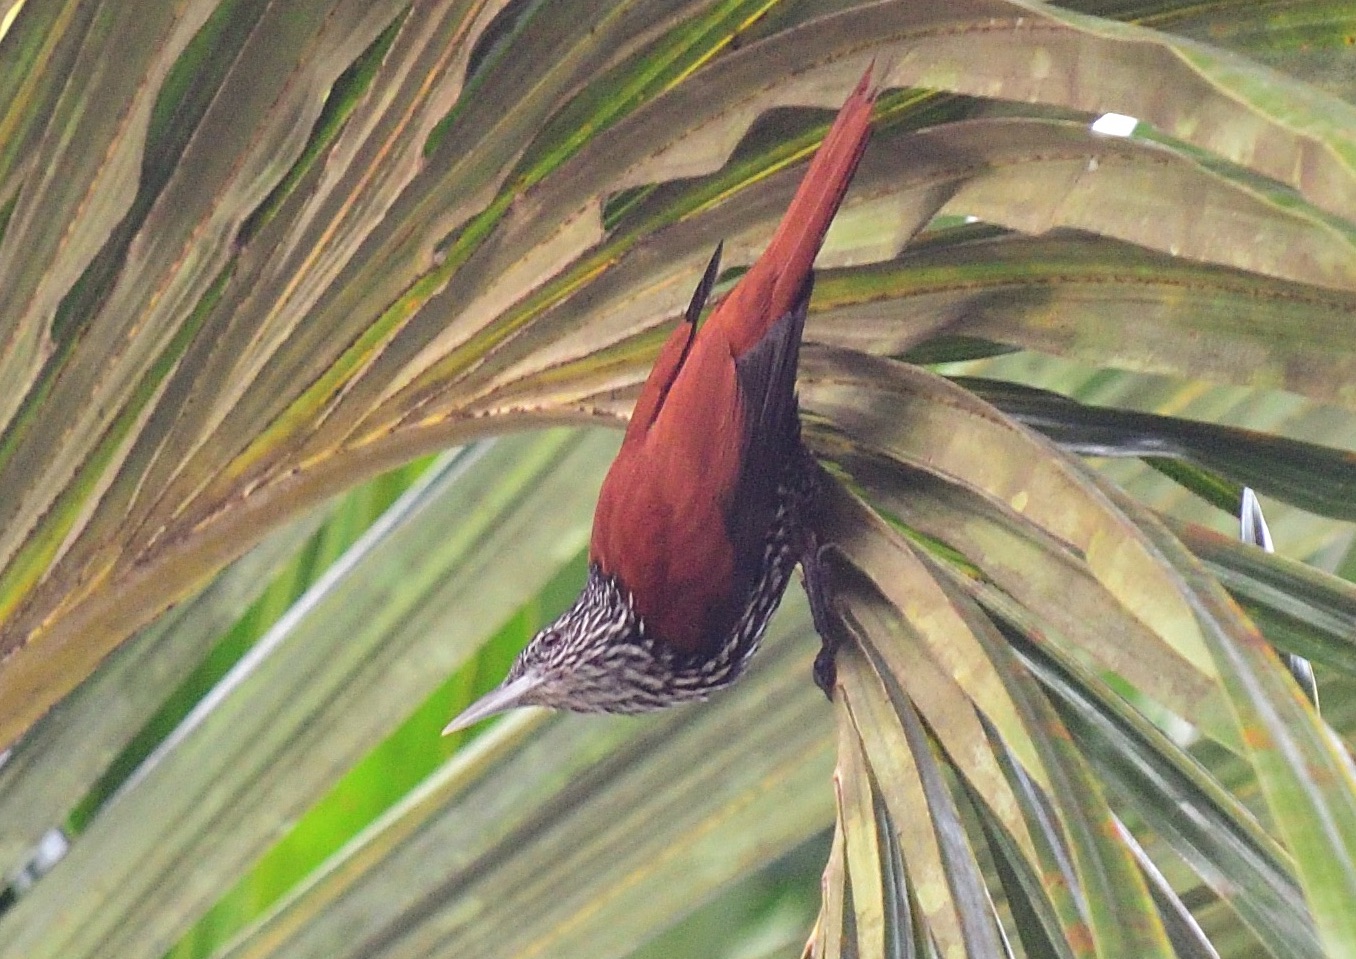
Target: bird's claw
826	669
819	591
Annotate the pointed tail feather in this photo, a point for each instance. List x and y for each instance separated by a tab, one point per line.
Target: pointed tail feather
781	270
801	232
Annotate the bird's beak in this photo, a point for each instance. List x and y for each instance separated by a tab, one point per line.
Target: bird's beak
505	697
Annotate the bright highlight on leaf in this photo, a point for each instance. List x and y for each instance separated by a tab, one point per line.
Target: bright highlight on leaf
1114	125
8	17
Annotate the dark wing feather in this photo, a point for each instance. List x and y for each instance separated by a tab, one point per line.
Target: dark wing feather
672	357
771	440
708	283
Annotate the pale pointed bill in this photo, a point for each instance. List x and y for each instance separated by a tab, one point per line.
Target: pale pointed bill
501	699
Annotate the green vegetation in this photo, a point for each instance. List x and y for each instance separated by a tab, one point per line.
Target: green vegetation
314	316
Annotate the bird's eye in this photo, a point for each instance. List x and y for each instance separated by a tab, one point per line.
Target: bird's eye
548	638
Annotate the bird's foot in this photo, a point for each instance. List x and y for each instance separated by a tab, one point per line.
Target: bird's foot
826	668
818	589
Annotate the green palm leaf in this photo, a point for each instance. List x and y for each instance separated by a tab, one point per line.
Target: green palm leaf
254	254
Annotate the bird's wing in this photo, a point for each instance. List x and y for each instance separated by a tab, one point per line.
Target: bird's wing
660	525
672	357
698	495
770	437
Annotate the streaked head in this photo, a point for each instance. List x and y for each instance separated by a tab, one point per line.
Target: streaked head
594	658
598	658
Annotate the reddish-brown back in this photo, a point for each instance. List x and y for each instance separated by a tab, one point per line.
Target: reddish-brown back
661	521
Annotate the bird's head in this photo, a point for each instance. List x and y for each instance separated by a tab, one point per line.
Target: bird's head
594	658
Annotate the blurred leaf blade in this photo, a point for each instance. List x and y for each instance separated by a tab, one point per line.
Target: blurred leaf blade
72	746
1204	824
1302	610
1099	301
1321	479
466	830
335	657
1306	776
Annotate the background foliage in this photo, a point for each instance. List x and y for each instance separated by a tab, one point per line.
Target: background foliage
254	255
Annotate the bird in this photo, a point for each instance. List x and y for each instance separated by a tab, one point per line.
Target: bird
705	512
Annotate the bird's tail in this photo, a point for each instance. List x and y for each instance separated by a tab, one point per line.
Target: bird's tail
781	271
